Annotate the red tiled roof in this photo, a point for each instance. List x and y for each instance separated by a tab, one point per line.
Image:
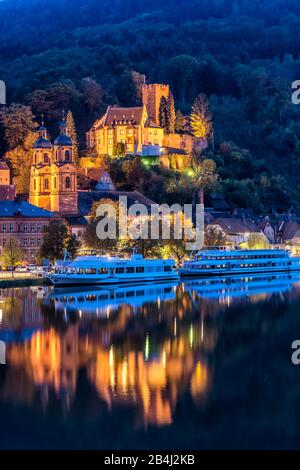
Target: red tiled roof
129	116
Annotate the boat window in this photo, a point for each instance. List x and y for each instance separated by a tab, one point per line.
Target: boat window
90	271
168	269
130	269
149	269
103	271
140	269
119	270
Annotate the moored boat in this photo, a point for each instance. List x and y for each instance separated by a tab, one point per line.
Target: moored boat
93	270
230	262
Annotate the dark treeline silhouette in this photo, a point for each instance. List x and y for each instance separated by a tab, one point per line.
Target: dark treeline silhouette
242	54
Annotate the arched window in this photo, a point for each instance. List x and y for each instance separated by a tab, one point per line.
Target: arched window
67	155
34	184
46	183
54	182
68	182
46	158
35	158
56	155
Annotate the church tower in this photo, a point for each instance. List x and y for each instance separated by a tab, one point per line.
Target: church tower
40	174
64	197
53	175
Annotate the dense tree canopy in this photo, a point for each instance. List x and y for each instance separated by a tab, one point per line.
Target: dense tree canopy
83	55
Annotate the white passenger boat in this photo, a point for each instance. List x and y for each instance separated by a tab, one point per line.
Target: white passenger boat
91	270
104	300
230	262
224	287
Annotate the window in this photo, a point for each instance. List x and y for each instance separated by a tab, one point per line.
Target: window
39	228
54	182
34	184
4	241
25	228
110	142
130	269
122	132
140	269
119	270
67	155
103	271
39	241
11	228
168	269
68	182
46	158
32	228
46	183
32	242
91	271
4	228
155	132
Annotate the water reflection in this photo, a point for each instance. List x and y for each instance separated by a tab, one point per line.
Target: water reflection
144	348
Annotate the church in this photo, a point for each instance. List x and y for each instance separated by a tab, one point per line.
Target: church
53	176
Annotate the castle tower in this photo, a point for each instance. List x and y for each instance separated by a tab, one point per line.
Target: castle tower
40	173
151	98
64	197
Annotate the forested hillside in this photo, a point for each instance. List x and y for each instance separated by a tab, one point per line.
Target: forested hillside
242	54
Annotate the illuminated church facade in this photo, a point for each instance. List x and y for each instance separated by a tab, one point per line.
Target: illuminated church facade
53	175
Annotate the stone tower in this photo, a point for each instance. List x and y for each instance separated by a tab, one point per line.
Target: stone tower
151	98
53	175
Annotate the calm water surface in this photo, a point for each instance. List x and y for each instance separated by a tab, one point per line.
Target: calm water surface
200	365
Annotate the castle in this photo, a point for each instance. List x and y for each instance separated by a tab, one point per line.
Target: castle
53	175
137	130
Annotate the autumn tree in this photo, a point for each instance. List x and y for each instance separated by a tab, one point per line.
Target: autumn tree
71	131
17	122
20	161
256	241
12	253
201	118
91	239
56	240
213	236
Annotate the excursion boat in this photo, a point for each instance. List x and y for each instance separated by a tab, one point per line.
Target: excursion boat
105	300
224	288
93	270
233	262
